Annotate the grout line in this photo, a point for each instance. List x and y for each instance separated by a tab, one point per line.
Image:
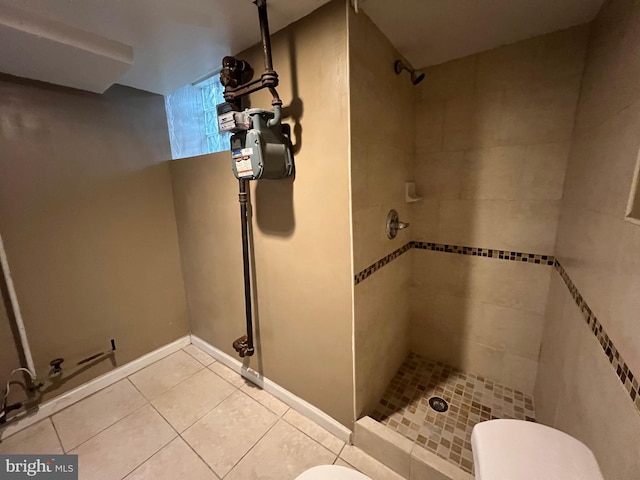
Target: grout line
150	457
207	412
198	455
106	428
316	441
252	446
57	434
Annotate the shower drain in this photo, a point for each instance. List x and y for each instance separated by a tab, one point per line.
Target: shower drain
438	404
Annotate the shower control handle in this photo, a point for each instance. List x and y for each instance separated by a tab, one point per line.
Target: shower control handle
394	224
400	225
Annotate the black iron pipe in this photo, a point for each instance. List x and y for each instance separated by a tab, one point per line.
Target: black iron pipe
244	218
264	31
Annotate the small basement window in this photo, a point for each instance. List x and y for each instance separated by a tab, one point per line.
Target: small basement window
633	207
193	121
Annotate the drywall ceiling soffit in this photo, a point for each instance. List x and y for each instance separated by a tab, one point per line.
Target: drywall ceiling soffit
430	32
174	42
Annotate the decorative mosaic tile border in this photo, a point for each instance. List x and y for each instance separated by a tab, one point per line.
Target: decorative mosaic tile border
487	252
474	251
628	379
382	262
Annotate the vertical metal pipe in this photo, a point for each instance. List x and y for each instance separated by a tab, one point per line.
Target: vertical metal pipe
26	349
244	218
264	30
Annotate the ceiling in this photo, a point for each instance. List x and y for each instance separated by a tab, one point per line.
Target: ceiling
154	45
429	32
161	45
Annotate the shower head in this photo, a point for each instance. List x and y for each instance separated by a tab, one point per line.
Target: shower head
416	77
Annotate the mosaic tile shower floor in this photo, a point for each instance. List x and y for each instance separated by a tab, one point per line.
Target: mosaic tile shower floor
471	398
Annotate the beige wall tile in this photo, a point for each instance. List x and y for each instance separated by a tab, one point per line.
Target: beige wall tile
90	416
284	452
191	399
381	324
595	408
37	439
519	372
156	379
577	389
625	301
611	66
523	226
223	436
429	127
122	447
449	80
603	162
424	218
587	247
174	461
518	285
555	347
438	175
449	269
493	173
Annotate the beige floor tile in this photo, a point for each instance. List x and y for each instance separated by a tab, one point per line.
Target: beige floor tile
122	447
225	434
174	462
190	400
156	379
283	453
265	398
200	355
36	439
367	465
229	375
316	432
90	416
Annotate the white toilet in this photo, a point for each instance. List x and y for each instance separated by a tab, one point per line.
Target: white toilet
331	472
510	449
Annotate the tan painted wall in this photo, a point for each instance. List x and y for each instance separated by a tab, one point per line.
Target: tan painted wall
493	132
381	162
577	389
87	219
301	228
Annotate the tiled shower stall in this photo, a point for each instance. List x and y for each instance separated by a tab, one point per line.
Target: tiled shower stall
461	305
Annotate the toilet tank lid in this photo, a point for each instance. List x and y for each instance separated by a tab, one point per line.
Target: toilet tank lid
529	451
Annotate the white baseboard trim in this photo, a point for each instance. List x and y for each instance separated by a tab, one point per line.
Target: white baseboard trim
92	386
305	408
